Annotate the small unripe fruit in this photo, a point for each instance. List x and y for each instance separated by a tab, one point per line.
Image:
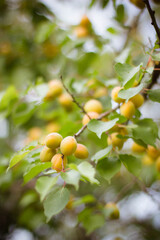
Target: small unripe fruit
115	141
85	21
100	92
137	100
147	160
114	211
138	3
53	140
66	101
81	151
127	109
152	151
68	145
47	154
158	164
55	89
114	95
93	105
137	148
93	115
59	162
81	32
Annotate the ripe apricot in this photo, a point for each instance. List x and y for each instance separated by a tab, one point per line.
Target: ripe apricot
100	92
115	141
147	160
81	151
138	3
85	21
81	32
93	115
47	154
93	105
55	89
137	148
68	145
114	95
137	100
152	151
113	209
127	109
53	140
158	164
35	133
59	162
52	127
66	101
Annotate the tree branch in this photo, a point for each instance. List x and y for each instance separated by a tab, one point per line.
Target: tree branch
152	15
73	98
99	118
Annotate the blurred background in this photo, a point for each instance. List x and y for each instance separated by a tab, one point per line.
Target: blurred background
39	41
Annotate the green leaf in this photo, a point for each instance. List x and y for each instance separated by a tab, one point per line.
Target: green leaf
44	31
18	156
87	171
132	163
104	3
101	154
34	170
112	30
154	95
120	13
55	202
86	199
100	127
71	177
90	220
44	185
146	130
108	167
131	92
127	73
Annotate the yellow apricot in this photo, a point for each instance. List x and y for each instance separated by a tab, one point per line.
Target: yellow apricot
158	164
147	160
100	92
68	145
55	89
152	151
92	115
137	100
93	105
138	3
59	162
81	32
52	127
114	95
66	101
47	154
85	21
137	148
127	109
81	151
115	141
35	133
53	140
114	211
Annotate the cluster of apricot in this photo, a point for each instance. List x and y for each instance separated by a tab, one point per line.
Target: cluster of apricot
84	28
57	149
56	91
150	156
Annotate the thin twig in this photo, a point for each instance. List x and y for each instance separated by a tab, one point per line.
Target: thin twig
74	99
99	118
152	15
